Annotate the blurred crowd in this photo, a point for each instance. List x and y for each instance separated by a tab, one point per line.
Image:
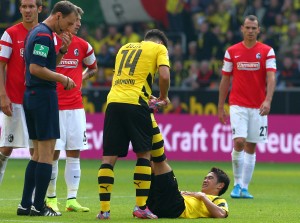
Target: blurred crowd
199	32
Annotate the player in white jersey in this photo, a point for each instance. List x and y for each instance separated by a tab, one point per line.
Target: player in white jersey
14	132
251	65
72	118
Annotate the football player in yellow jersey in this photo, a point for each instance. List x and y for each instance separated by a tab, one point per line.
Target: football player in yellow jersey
128	117
166	201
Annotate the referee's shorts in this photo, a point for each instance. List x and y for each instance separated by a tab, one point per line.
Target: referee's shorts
41	113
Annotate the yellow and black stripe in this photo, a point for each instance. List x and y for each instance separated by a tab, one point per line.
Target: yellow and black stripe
105	182
142	181
158	150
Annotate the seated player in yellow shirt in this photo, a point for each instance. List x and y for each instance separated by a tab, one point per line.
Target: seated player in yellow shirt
166	201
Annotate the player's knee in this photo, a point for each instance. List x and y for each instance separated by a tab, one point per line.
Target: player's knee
6	151
239	143
73	153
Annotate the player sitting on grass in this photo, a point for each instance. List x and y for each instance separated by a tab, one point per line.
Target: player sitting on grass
166	201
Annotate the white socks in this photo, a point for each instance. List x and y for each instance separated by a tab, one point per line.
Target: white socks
3	163
249	164
237	166
72	176
51	192
243	167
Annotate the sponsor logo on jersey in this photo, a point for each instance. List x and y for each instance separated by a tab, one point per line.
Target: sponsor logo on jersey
68	63
248	65
40	50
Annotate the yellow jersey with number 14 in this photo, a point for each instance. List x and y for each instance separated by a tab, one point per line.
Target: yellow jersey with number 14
135	68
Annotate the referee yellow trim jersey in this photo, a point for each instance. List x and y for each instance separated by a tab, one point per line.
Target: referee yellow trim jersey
135	68
195	208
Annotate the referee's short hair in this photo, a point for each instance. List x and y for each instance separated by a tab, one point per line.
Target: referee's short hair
65	7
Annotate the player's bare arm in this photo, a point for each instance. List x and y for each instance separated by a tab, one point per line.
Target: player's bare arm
223	92
89	72
5	102
214	210
271	84
46	74
164	85
164	82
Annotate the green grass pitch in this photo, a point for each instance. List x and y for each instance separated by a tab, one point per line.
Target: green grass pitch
275	188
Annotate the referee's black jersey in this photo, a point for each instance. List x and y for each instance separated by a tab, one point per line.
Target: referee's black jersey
40	50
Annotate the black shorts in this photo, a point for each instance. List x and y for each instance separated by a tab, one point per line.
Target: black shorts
164	199
41	113
124	123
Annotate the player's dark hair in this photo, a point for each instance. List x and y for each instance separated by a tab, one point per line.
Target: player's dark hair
37	2
65	7
251	18
222	178
156	34
79	11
